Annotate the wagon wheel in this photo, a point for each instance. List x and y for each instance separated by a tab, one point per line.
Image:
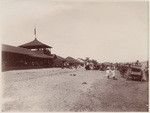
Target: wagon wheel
127	77
140	78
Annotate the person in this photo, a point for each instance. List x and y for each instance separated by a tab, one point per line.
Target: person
138	63
113	72
108	72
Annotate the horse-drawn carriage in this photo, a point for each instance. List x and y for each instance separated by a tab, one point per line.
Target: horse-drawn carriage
134	72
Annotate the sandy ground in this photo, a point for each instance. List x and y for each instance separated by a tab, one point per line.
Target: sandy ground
46	90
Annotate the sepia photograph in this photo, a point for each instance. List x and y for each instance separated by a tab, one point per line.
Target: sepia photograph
74	56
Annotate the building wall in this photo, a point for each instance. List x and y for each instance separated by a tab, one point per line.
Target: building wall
14	61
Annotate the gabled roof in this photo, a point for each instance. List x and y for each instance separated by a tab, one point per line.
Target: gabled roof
80	60
61	58
35	44
18	50
107	63
72	60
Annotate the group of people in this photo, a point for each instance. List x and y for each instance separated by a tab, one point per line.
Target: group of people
110	72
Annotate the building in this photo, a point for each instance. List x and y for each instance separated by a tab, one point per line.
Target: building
37	46
21	58
34	54
73	62
59	61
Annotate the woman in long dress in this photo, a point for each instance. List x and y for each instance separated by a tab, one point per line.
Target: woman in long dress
108	72
113	72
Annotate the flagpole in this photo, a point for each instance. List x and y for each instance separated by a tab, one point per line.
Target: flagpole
35	30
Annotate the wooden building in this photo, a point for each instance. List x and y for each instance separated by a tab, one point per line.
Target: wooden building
38	47
73	62
59	61
34	54
21	58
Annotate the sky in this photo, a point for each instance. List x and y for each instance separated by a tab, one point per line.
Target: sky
104	31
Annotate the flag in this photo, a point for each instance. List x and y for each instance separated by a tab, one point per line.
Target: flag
34	31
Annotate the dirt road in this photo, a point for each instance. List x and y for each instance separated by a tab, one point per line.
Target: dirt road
46	90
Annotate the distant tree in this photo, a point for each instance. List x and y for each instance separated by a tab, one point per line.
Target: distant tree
94	62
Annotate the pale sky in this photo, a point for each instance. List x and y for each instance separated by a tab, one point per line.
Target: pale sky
104	31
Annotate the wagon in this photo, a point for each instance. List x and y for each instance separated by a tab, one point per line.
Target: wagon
134	72
87	67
